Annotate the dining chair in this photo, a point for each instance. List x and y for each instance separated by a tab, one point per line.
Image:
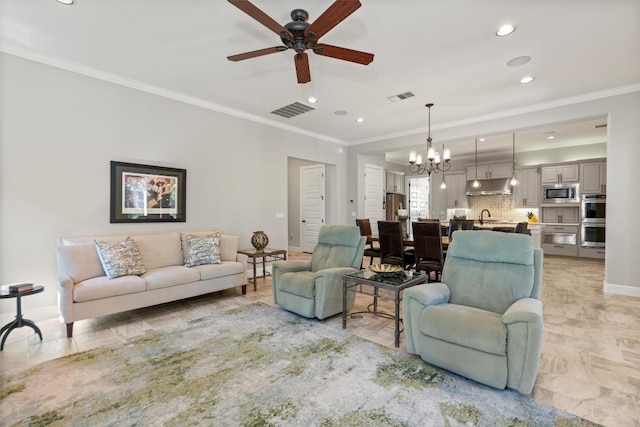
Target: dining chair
427	243
522	228
392	245
365	230
454	225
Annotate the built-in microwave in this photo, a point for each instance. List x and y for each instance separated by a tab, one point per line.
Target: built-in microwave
561	193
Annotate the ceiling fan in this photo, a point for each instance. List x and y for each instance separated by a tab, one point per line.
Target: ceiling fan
300	35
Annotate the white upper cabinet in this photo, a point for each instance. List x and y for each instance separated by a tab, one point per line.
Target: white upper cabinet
561	173
525	194
456	190
395	183
593	178
499	170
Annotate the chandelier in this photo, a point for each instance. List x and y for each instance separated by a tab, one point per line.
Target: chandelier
433	162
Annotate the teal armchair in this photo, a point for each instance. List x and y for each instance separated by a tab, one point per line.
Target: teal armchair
484	319
314	288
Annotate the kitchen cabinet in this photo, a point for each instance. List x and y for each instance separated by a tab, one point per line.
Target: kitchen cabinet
593	178
567	215
456	186
560	173
590	252
395	183
560	240
525	194
498	170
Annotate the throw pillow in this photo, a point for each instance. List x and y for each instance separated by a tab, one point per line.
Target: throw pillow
203	250
121	258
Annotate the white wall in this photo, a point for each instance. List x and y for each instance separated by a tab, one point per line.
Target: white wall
60	130
622	271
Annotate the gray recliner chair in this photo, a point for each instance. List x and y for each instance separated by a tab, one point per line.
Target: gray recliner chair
313	288
484	319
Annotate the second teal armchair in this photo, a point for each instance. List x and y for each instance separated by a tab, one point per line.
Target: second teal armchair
484	320
314	288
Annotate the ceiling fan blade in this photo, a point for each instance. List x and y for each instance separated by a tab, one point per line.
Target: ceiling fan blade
343	53
302	67
256	53
331	17
251	10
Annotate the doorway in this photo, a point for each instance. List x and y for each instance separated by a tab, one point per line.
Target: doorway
312	205
418	198
373	195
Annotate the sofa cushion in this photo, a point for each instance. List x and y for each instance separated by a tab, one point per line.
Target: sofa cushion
183	239
466	326
80	262
120	259
226	268
165	277
203	250
103	287
300	283
159	250
229	247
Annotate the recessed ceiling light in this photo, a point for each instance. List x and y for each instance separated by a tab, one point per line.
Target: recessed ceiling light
67	2
518	61
527	79
505	30
359	120
551	137
312	100
340	113
481	139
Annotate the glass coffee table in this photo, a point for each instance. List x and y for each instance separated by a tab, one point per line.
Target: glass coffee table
395	283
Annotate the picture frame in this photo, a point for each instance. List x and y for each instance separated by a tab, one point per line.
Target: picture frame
147	193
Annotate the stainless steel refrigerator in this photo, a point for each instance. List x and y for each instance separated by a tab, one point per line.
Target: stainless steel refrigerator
394	202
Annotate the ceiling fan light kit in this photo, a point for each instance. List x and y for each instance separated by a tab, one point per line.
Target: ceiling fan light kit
301	35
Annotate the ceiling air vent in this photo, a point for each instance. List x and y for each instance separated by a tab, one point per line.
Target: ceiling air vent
292	110
600	126
400	97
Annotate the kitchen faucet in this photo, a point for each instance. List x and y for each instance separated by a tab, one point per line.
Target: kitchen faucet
482	213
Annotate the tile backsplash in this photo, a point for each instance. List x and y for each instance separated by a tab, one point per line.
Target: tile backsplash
501	208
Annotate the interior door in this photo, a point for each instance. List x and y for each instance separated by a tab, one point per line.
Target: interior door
313	205
418	198
373	195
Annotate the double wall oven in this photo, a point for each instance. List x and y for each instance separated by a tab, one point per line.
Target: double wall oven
593	220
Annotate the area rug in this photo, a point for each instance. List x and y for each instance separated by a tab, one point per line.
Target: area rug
258	366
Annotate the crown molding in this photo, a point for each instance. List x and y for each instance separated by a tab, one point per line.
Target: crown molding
155	90
509	113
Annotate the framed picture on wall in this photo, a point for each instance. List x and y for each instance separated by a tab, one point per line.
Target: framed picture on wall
145	193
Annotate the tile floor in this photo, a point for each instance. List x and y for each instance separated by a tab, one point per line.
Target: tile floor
590	363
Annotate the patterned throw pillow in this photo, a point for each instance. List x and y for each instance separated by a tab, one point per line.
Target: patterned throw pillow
203	250
120	259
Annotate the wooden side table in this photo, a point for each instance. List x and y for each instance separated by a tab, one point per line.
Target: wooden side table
19	321
267	255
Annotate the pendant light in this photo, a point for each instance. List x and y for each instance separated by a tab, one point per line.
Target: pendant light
476	183
514	179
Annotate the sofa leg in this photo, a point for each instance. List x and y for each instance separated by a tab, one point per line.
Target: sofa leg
244	289
69	330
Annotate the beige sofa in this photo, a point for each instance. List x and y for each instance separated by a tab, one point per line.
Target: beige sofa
86	292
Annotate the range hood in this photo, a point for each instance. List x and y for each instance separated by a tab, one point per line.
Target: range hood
489	187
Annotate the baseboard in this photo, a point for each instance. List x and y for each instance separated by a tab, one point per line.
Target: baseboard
630	291
295	249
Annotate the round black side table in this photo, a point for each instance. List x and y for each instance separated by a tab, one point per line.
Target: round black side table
19	321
